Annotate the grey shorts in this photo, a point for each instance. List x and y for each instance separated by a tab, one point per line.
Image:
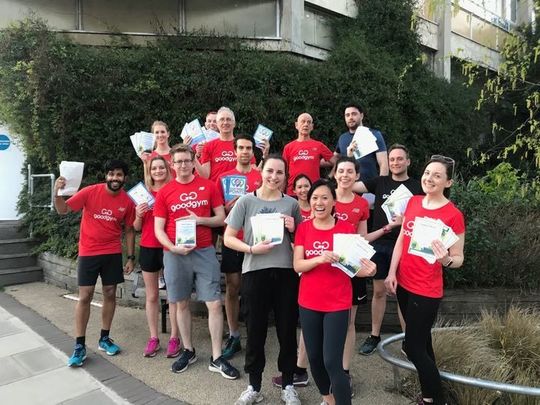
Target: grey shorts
198	268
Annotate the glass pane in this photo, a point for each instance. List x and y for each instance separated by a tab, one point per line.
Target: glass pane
461	23
242	18
316	29
132	16
59	14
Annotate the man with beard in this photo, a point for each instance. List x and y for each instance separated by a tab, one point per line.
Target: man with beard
107	211
383	187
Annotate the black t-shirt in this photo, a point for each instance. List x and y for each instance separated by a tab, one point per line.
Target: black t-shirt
382	187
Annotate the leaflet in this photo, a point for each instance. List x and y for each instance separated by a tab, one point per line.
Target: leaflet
194	130
366	142
139	194
396	203
72	172
267	227
186	232
233	186
261	134
351	248
142	142
425	231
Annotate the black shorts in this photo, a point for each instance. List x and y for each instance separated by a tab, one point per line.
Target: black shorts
108	267
231	260
359	290
151	259
382	258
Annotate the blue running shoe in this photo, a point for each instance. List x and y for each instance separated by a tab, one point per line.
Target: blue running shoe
78	357
107	345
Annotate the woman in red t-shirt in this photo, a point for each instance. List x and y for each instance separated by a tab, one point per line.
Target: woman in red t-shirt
301	186
161	145
417	283
325	293
156	175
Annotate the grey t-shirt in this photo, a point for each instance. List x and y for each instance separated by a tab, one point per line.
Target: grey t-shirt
239	218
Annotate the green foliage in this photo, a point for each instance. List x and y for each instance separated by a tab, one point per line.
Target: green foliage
69	101
502	243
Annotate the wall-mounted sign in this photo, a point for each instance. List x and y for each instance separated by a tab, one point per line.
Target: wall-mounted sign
4	142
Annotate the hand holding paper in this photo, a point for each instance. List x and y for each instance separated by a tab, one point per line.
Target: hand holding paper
72	172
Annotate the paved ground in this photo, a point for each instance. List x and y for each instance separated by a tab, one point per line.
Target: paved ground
130	375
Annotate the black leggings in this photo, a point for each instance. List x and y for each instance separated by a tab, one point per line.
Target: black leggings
420	313
324	335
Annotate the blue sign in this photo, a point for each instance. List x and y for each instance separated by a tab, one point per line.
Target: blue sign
4	142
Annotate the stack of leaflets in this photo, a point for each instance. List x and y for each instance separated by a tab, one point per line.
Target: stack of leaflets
233	186
261	134
139	194
351	248
197	133
186	232
72	172
142	142
396	203
425	231
366	142
267	227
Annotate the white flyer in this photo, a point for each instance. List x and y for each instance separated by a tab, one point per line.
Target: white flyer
142	142
351	248
366	142
72	172
139	194
186	232
267	227
396	203
261	134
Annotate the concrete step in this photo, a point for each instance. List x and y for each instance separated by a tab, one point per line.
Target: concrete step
16	260
21	245
20	275
10	230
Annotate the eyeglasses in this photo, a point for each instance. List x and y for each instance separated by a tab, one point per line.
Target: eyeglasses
183	162
444	159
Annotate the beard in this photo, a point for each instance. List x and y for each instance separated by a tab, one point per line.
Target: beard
114	185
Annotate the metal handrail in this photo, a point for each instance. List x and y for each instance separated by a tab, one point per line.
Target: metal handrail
31	188
462	379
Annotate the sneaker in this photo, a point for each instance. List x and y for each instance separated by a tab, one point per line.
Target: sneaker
369	345
299	380
174	348
78	357
351	385
249	396
161	282
232	346
186	358
289	396
152	347
222	366
107	345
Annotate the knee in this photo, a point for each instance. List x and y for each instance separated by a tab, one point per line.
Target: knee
379	294
214	307
109	293
85	299
152	296
182	305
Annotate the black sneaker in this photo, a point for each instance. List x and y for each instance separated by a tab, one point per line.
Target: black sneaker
186	358
369	345
222	366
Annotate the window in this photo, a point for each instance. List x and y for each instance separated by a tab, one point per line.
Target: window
59	14
316	29
241	18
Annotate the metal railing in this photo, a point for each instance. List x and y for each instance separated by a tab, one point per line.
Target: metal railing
461	379
31	178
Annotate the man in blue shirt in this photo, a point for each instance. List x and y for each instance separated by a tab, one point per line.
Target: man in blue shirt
354	115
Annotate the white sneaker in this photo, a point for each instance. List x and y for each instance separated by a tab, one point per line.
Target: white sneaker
161	282
249	396
289	396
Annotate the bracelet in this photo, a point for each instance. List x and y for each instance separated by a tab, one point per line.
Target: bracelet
449	263
386	229
130	257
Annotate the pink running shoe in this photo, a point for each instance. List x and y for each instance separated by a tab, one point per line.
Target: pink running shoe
152	347
174	347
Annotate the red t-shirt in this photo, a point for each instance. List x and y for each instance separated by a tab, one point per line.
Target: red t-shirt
103	217
221	156
306	215
304	157
199	196
353	212
414	273
323	288
148	236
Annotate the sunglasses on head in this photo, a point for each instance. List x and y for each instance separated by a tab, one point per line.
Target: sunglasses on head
445	159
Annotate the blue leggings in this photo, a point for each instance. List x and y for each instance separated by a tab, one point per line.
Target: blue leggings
324	335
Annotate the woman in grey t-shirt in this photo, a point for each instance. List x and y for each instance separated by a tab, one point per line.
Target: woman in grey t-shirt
268	280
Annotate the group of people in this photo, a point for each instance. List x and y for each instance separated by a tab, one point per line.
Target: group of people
295	278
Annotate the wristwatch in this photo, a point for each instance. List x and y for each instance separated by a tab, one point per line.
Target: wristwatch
131	257
450	261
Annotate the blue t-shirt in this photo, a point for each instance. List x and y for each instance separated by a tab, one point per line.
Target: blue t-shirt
369	168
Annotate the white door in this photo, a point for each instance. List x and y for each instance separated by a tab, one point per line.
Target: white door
11	179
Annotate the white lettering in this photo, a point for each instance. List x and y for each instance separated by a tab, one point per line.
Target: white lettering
225	159
189	204
343	216
188	196
303	158
105	217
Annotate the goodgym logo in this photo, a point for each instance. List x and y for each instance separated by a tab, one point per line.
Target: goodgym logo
188	200
318	248
343	216
188	196
105	215
303	154
226	156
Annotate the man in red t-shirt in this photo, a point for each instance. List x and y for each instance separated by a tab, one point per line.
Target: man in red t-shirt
231	260
303	155
190	197
107	211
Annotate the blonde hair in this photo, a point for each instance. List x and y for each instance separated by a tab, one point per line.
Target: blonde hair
148	180
155	124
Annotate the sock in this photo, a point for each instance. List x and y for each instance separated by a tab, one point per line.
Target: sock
346	371
104	333
286	379
235	334
255	380
300	370
376	337
80	340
